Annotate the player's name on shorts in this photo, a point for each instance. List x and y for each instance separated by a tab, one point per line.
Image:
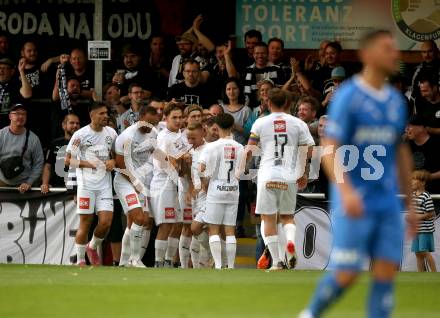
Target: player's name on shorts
227	188
277	185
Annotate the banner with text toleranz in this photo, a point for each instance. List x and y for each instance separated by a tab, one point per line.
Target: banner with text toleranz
303	24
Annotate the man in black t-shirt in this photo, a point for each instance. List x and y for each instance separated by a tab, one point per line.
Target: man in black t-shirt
425	151
191	91
428	103
10	90
54	172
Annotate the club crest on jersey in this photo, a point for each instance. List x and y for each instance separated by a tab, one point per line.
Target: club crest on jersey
84	203
279	126
131	199
170	213
229	153
108	140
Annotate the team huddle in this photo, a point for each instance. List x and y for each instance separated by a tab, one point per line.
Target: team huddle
185	178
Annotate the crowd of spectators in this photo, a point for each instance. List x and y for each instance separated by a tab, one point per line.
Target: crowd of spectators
217	77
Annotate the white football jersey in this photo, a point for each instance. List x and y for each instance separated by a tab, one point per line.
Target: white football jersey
137	149
174	144
96	147
222	159
280	136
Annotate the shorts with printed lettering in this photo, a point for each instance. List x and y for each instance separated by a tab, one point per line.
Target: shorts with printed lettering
89	201
128	196
164	206
276	197
221	213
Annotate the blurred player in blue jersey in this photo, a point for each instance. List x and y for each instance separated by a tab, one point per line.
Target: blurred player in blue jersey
369	166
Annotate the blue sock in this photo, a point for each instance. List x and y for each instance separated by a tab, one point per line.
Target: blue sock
327	292
381	300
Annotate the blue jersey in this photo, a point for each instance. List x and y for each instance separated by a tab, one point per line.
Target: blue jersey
368	124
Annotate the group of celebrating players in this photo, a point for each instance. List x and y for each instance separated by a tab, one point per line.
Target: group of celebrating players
186	179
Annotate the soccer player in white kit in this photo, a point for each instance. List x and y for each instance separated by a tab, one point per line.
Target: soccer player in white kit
163	188
280	136
220	160
90	150
134	149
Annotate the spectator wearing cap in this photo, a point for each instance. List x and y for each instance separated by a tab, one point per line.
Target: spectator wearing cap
424	148
11	91
134	72
261	69
428	103
430	64
337	77
187	43
16	141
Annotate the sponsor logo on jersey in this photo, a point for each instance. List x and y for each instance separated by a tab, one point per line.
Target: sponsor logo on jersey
170	213
277	185
84	203
131	199
227	188
279	126
187	214
229	152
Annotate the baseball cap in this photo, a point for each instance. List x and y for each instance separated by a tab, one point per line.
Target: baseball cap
338	73
18	106
7	61
187	36
130	48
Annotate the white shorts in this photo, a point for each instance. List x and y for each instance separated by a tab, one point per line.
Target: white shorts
276	197
184	215
199	207
89	201
164	206
128	196
221	213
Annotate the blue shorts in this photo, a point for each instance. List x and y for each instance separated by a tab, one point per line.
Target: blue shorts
423	242
375	235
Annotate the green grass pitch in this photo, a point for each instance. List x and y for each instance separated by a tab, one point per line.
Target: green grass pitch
68	291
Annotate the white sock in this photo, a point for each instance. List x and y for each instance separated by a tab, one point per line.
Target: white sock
125	249
262	232
290	231
160	250
80	252
184	252
135	241
224	254
231	250
282	243
173	246
195	252
95	242
145	241
216	250
272	244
